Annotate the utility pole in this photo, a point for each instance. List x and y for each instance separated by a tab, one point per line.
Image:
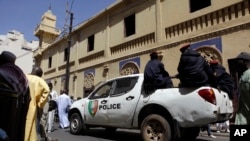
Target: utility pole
66	86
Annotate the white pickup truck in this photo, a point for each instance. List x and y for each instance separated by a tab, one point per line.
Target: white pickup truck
163	115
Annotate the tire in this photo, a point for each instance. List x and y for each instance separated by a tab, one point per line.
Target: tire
76	125
155	128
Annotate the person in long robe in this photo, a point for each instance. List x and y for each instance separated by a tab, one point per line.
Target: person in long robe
39	92
63	103
243	113
13	79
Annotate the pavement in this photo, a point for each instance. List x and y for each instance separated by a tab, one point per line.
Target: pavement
202	133
214	132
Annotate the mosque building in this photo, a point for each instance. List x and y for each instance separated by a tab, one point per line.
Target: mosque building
118	40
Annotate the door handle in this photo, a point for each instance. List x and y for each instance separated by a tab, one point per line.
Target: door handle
130	98
104	101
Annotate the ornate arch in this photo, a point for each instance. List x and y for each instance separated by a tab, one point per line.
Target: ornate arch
89	81
210	53
129	68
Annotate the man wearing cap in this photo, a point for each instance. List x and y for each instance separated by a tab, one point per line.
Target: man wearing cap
193	70
243	112
155	75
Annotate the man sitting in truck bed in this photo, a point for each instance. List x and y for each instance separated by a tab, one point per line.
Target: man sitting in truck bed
155	75
193	69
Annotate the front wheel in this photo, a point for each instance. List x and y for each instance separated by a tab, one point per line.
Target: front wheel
155	128
76	125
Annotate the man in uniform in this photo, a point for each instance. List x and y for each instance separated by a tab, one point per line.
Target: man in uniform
193	70
155	75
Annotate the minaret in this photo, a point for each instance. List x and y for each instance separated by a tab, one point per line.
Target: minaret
46	31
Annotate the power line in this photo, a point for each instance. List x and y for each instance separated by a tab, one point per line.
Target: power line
68	12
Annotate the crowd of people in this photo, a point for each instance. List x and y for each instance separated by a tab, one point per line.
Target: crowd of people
43	102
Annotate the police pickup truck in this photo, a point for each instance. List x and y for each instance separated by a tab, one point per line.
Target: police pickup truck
163	115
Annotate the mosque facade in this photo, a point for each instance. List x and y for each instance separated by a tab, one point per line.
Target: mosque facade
118	40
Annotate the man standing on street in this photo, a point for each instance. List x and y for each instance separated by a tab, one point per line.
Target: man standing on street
63	103
13	79
39	92
243	113
51	117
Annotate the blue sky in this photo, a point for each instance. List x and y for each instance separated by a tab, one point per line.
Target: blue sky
24	15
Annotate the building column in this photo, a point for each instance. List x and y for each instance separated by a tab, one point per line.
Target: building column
158	21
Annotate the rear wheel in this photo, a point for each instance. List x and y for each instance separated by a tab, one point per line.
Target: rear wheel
76	125
155	128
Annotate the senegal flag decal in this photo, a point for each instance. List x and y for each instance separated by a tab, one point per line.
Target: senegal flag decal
92	107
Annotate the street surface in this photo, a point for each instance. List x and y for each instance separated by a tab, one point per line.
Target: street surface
100	134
